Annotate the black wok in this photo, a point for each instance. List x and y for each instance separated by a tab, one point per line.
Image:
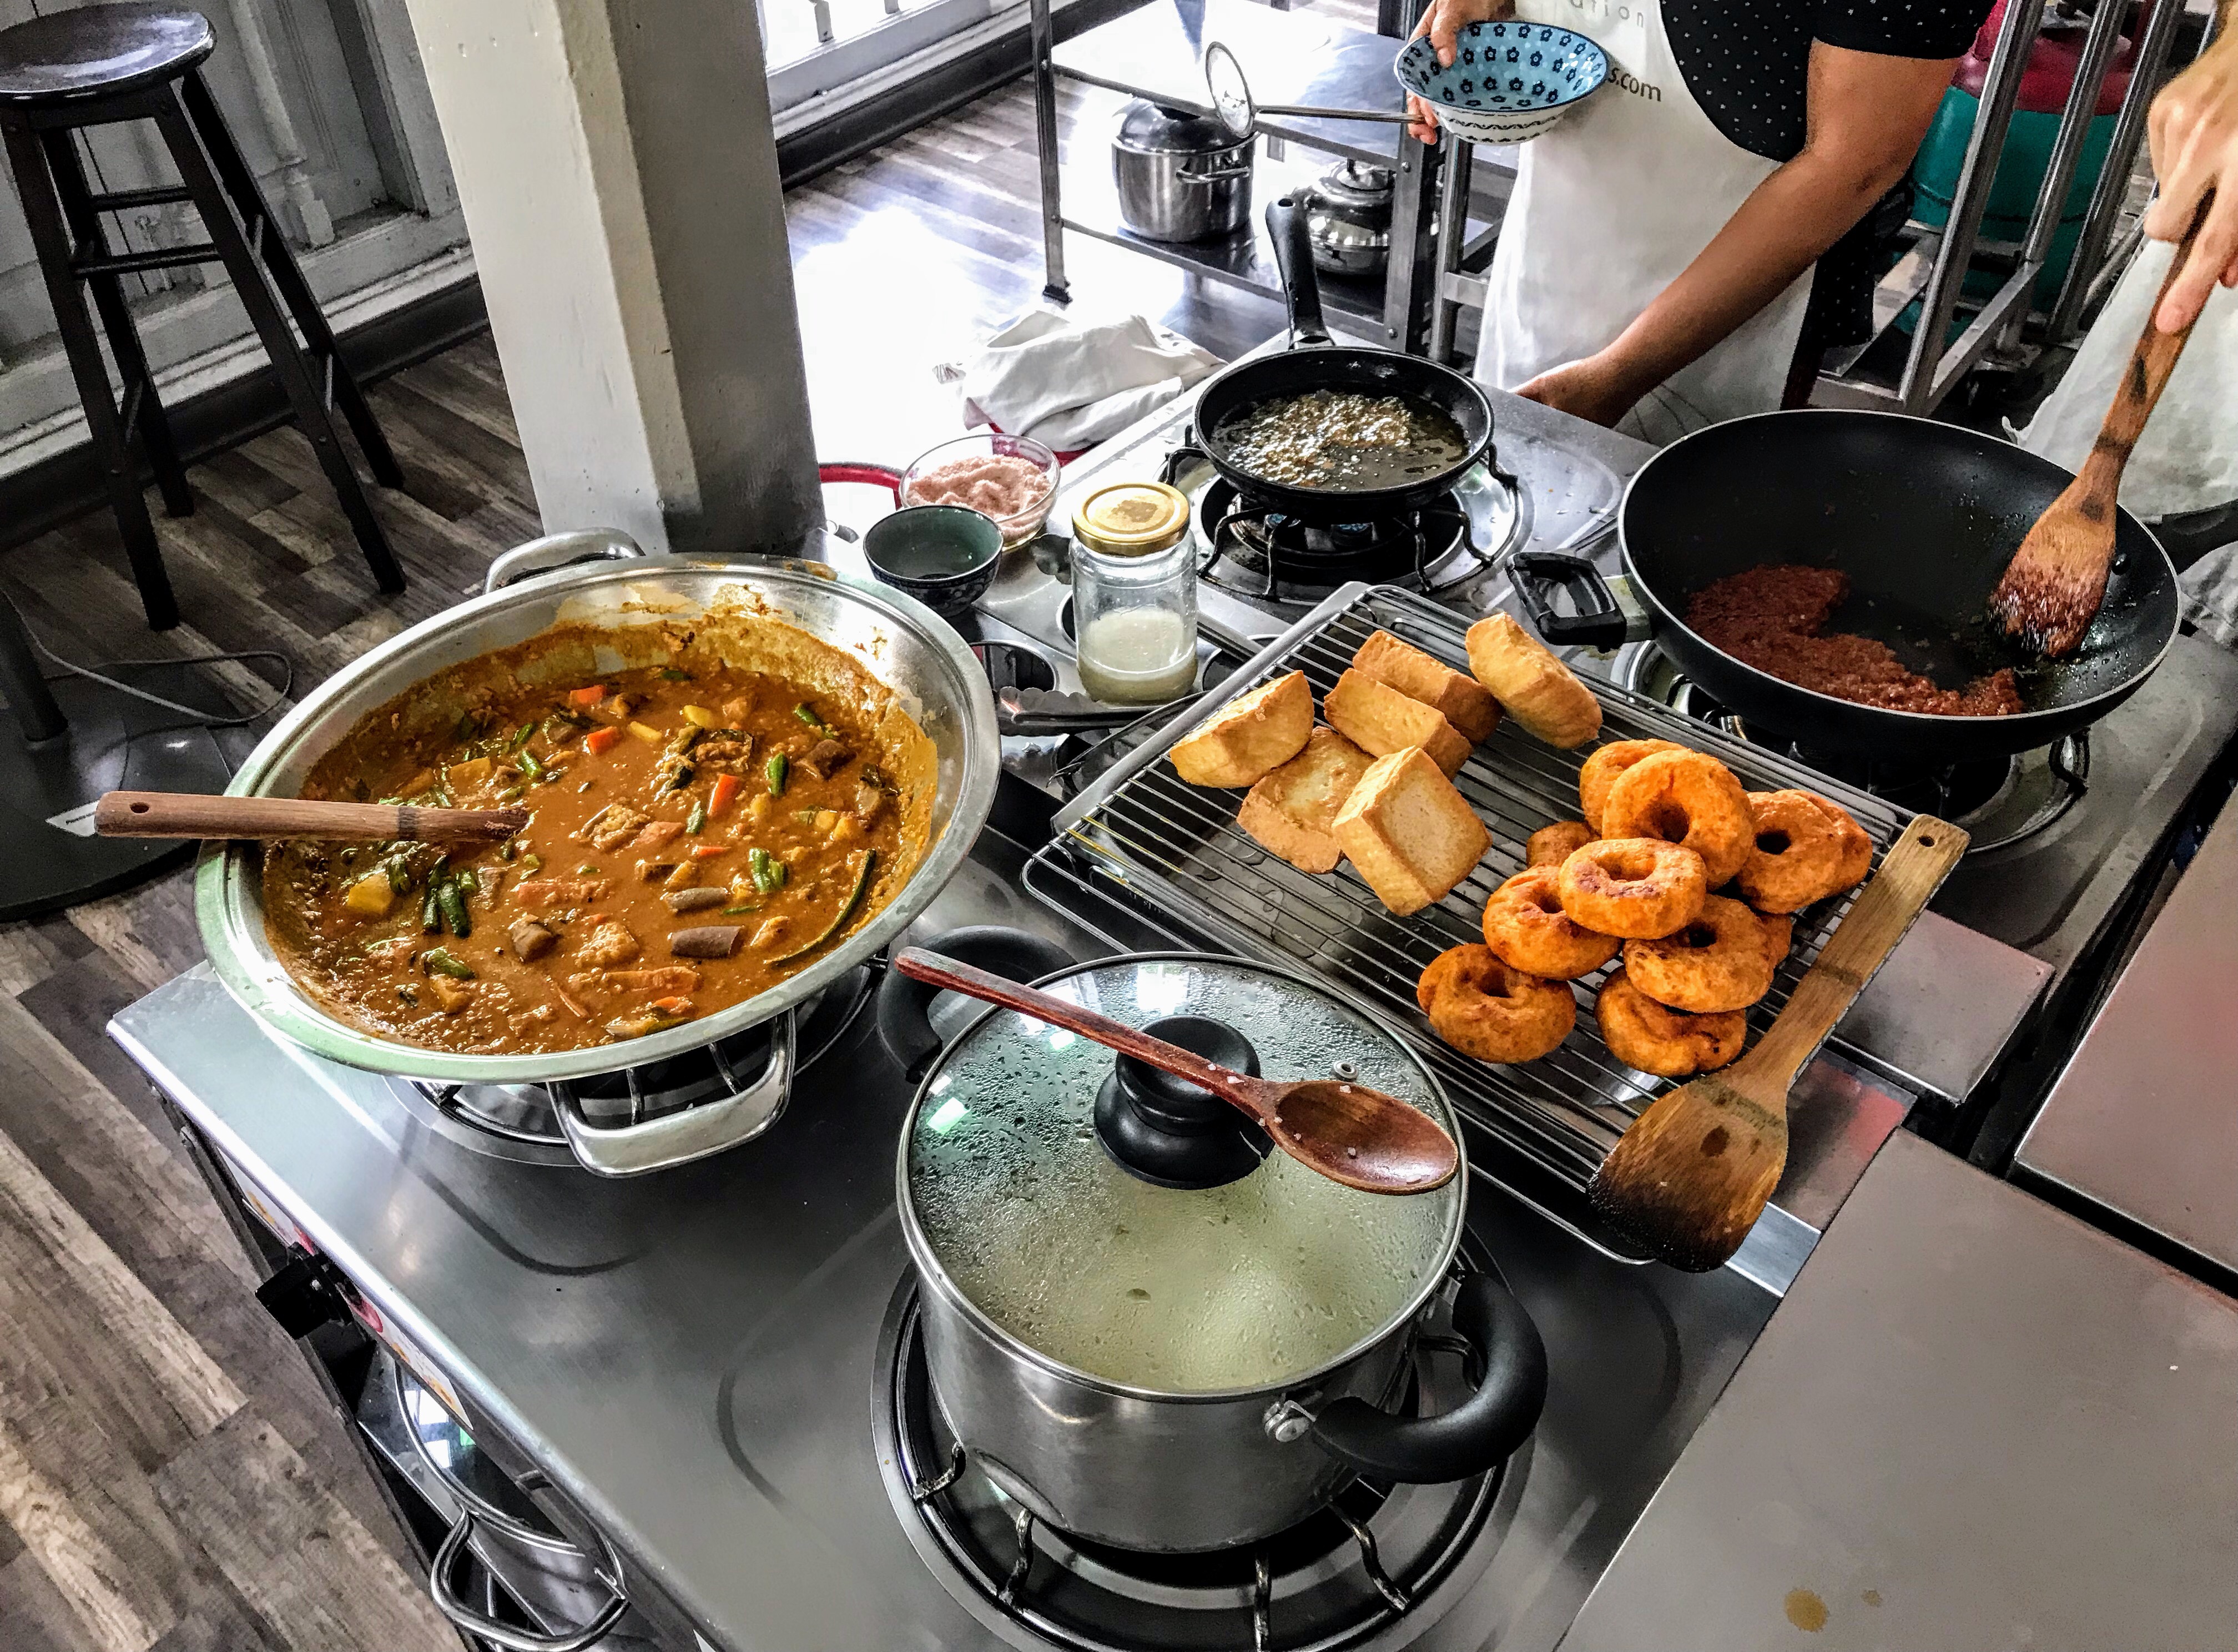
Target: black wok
1311	363
1922	517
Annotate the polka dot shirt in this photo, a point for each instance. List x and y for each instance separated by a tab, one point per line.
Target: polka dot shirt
1747	61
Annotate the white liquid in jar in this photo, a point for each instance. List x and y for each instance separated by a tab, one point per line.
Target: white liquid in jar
1138	656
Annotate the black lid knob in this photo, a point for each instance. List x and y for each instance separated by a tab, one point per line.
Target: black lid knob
1171	1132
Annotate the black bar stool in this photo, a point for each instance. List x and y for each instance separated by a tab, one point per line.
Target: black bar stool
97	65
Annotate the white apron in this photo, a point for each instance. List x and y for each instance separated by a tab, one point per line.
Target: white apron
1608	209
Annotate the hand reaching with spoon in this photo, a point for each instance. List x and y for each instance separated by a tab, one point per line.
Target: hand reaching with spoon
2192	129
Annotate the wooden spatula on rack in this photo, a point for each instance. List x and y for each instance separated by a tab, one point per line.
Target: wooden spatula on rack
1695	1171
193	814
2052	588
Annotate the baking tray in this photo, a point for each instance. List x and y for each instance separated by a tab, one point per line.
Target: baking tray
1139	839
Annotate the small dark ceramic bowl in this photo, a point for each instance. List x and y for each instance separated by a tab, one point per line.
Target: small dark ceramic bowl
943	555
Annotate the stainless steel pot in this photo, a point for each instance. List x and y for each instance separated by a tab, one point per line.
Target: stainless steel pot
1180	176
1005	1137
899	640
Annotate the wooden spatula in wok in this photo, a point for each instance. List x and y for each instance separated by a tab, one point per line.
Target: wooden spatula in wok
2052	588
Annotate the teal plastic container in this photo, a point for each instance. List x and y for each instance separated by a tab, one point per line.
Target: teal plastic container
2021	171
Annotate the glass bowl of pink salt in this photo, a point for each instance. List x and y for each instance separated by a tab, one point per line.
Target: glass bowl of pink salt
1010	479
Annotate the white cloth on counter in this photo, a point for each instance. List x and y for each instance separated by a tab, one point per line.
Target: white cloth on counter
1071	383
2210	595
2187	460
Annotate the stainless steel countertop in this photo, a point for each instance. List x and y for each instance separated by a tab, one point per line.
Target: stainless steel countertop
689	1356
2141	1124
1974	1424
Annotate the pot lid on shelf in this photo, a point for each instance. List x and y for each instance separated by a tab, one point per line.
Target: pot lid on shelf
1158	129
1130	1227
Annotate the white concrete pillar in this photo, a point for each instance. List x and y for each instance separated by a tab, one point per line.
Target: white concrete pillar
619	173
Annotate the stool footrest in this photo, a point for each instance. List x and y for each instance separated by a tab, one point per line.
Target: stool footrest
122	200
135	397
125	263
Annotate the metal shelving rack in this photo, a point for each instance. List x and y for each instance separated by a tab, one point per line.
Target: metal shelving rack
1153	53
1933	363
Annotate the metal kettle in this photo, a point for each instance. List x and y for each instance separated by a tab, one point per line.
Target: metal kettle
1348	218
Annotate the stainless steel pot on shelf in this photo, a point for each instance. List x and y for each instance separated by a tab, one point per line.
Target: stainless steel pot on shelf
1051	1195
896	639
1180	176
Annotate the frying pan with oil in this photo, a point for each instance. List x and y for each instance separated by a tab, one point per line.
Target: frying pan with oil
1313	363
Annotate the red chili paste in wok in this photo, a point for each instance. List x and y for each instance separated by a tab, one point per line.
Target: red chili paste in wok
1775	618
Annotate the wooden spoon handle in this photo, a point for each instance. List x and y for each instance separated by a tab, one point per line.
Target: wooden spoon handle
1911	873
186	814
2147	375
919	965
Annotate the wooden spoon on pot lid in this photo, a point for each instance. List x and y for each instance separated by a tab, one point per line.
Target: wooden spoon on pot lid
1347	1133
193	814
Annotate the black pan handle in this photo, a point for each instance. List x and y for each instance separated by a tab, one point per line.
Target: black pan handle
903	1027
1294	254
1481	1430
1600	620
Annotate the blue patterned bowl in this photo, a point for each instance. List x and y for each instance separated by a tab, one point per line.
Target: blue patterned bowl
1509	82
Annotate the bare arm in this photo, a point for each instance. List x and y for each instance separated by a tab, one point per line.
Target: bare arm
1865	115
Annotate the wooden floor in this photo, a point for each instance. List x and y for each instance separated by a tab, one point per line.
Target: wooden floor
169	1474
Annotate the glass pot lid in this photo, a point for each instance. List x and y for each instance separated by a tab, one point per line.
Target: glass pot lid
1136	1229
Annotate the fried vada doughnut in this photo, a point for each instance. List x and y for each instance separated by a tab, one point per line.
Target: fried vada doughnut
1684	797
1857	846
1722	960
1634	887
1658	1039
1604	768
1550	846
1524	924
1485	1009
1799	854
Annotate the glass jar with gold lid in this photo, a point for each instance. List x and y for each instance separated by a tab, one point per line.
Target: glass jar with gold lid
1134	593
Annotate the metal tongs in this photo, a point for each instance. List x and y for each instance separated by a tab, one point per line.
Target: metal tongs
1043	711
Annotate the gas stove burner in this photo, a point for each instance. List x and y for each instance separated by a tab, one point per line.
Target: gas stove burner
1257	551
1252	550
1999	800
1372	1568
523	1113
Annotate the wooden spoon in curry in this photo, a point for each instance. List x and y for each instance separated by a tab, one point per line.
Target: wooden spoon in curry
1347	1133
191	814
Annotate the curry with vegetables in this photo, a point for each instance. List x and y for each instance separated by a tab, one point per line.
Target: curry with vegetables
704	823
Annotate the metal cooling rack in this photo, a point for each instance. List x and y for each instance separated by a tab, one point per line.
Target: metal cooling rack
1170	855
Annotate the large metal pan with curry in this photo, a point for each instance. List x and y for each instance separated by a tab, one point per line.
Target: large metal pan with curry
744	778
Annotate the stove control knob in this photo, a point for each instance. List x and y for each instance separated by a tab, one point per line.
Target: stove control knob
306	1294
